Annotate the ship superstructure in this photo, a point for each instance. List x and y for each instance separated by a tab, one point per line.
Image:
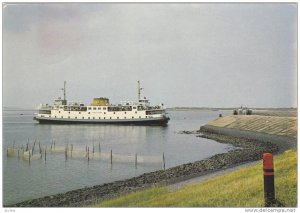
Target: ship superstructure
101	111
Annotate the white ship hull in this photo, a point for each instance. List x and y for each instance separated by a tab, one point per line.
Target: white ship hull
145	121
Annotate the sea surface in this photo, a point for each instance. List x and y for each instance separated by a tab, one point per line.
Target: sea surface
23	180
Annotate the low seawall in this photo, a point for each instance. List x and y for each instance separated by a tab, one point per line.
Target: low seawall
281	131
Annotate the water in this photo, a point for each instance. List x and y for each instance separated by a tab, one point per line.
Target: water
22	181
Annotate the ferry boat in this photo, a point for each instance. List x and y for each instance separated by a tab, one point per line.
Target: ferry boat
100	111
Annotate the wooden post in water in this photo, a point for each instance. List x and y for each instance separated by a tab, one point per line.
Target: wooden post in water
99	147
45	154
93	149
33	147
27	144
135	161
18	154
164	162
111	156
66	154
88	154
29	157
71	149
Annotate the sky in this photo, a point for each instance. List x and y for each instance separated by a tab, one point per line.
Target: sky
185	55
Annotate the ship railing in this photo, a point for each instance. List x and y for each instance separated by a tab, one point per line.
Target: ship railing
119	108
48	112
127	103
154	112
75	108
75	103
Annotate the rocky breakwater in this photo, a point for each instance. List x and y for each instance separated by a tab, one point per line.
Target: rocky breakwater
246	150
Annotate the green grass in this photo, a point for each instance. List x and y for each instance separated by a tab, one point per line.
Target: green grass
241	188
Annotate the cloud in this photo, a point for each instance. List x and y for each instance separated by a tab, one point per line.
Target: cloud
183	49
21	17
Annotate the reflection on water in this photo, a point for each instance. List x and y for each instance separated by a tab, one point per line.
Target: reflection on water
22	181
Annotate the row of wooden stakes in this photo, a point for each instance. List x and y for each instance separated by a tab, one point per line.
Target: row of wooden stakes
29	154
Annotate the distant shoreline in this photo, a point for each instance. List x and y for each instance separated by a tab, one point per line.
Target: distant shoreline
177	108
225	108
16	109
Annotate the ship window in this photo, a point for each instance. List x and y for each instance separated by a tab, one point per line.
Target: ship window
58	111
42	116
134	107
94	108
114	112
99	117
55	116
82	117
104	118
104	113
68	116
135	112
99	108
93	117
88	117
125	112
139	116
89	113
61	116
90	108
79	112
146	116
110	118
69	112
75	117
104	108
117	117
125	117
132	117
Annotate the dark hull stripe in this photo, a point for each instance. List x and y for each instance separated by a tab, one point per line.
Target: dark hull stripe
163	121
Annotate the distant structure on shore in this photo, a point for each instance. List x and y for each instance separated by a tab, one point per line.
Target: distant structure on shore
242	111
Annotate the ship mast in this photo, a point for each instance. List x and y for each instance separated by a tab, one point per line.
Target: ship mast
65	91
65	83
139	90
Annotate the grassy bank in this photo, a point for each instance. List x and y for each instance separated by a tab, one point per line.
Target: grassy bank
241	188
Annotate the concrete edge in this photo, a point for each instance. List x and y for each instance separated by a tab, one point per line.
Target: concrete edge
283	142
